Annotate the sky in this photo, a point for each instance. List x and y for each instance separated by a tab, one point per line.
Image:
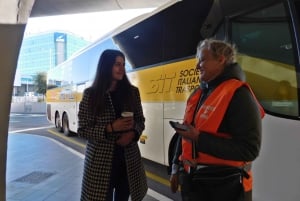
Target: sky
90	26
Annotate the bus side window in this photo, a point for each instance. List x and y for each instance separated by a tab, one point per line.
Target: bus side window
283	91
297	7
266	47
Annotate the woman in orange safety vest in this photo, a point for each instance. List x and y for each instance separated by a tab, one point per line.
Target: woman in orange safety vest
223	133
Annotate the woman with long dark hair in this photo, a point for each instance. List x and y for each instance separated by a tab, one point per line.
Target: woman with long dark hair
113	168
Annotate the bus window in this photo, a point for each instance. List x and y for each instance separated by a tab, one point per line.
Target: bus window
166	36
297	7
266	53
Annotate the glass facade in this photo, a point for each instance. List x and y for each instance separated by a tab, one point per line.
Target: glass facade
41	52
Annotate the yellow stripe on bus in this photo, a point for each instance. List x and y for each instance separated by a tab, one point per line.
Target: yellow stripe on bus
170	82
175	81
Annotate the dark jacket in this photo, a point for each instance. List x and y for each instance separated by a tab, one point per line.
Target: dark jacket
100	149
242	121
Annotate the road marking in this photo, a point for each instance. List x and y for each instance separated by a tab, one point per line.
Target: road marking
15	114
66	147
30	129
157	195
24	114
158	178
66	138
150	175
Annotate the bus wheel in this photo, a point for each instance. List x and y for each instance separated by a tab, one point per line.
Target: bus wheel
172	149
57	123
65	125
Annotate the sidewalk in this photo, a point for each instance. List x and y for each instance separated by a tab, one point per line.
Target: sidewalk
42	169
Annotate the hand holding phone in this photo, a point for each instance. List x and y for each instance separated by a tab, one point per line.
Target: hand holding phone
179	126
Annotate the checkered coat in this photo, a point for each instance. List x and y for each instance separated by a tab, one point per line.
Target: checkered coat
99	151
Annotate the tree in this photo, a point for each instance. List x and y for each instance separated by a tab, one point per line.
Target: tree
40	82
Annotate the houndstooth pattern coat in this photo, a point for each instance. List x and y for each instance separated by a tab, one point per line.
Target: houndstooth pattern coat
99	151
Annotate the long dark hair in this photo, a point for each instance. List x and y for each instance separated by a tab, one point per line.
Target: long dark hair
103	80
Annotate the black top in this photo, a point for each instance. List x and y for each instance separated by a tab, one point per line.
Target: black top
117	102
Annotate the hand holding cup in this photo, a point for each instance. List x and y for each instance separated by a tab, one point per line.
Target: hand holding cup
128	120
127	114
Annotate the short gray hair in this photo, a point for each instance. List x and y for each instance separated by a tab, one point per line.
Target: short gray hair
219	48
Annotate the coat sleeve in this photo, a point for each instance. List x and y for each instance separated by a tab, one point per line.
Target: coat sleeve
243	122
89	126
138	115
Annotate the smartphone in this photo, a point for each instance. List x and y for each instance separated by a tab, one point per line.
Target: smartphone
179	126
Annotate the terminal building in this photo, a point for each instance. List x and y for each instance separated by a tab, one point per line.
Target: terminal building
41	52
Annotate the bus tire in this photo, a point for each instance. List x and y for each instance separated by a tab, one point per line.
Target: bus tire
171	152
65	125
58	123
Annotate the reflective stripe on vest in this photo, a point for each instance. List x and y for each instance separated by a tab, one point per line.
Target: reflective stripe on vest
208	119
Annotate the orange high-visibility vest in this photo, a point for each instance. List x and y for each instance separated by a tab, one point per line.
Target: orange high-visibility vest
208	119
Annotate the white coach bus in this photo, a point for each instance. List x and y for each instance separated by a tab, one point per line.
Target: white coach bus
160	52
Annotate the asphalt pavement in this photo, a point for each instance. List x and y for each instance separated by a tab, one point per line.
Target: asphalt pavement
40	168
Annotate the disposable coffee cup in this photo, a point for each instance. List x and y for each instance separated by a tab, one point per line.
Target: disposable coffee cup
127	114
